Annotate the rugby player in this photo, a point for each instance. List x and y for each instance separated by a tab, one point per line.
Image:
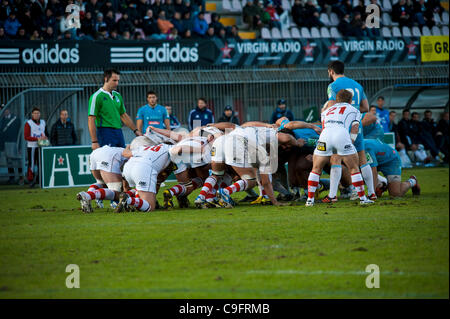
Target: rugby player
337	121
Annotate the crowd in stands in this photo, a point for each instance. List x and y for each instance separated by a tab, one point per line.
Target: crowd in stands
110	20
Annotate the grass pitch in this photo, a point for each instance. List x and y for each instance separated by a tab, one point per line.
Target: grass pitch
246	252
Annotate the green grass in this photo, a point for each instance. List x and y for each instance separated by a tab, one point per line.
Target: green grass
246	252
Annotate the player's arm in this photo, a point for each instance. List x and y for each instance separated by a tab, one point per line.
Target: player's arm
364	106
223	125
258	124
139	125
368	119
300	124
354	131
265	182
168	133
127	153
128	122
167	123
93	132
287	139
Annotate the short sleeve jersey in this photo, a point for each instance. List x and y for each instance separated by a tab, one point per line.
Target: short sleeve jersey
107	108
152	116
345	83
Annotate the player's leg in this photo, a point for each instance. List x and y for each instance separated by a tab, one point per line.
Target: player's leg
218	171
335	178
314	177
351	161
146	201
248	180
397	188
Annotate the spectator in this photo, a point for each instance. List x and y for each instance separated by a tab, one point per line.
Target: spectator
9	130
63	131
342	7
27	22
178	23
312	15
200	25
49	34
187	22
382	114
401	13
35	130
252	15
222	34
133	14
187	34
169	8
442	135
358	25
125	24
36	36
198	5
190	8
48	20
427	133
234	33
423	14
109	20
3	36
281	111
210	33
12	25
215	23
5	9
21	34
274	17
174	123
88	25
173	35
157	8
200	116
345	27
361	9
126	35
102	34
164	25
149	25
108	6
99	23
114	35
393	127
94	7
180	7
407	131
297	12
228	116
152	114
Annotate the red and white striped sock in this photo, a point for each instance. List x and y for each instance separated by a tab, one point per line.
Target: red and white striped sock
177	190
95	186
102	193
139	203
313	182
197	182
209	184
263	192
132	192
358	182
240	185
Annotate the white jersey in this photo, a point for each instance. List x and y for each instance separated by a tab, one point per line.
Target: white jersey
262	135
340	115
157	156
194	159
35	131
107	158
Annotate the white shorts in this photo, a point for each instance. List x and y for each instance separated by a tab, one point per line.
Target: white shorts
107	159
334	140
139	173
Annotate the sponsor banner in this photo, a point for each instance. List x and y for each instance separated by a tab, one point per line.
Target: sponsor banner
66	166
215	52
434	48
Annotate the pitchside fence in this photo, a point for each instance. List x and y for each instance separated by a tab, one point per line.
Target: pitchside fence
253	93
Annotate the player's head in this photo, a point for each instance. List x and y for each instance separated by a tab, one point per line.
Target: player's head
335	68
36	113
344	96
111	79
152	98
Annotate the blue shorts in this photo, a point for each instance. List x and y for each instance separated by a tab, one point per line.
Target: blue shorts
110	136
393	167
359	142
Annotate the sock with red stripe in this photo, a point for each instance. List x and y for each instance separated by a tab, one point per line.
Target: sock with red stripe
177	190
139	203
132	192
366	172
358	182
335	178
95	186
313	182
208	186
102	193
240	185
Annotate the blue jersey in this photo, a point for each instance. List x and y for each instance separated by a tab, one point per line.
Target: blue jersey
373	130
345	83
152	116
379	154
383	116
305	133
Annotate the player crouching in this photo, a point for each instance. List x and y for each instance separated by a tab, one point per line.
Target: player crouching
337	121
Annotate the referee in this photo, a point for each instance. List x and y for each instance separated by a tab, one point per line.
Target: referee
106	111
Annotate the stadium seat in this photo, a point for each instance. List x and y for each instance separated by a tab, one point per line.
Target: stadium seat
386	33
335	33
387	5
305	33
324	19
324	32
295	33
444	30
396	32
435	31
406	32
445	18
265	33
285	34
426	31
236	6
437	18
386	19
416	32
276	34
226	5
315	33
334	20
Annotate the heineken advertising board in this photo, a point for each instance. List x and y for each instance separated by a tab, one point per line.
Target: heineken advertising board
66	166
